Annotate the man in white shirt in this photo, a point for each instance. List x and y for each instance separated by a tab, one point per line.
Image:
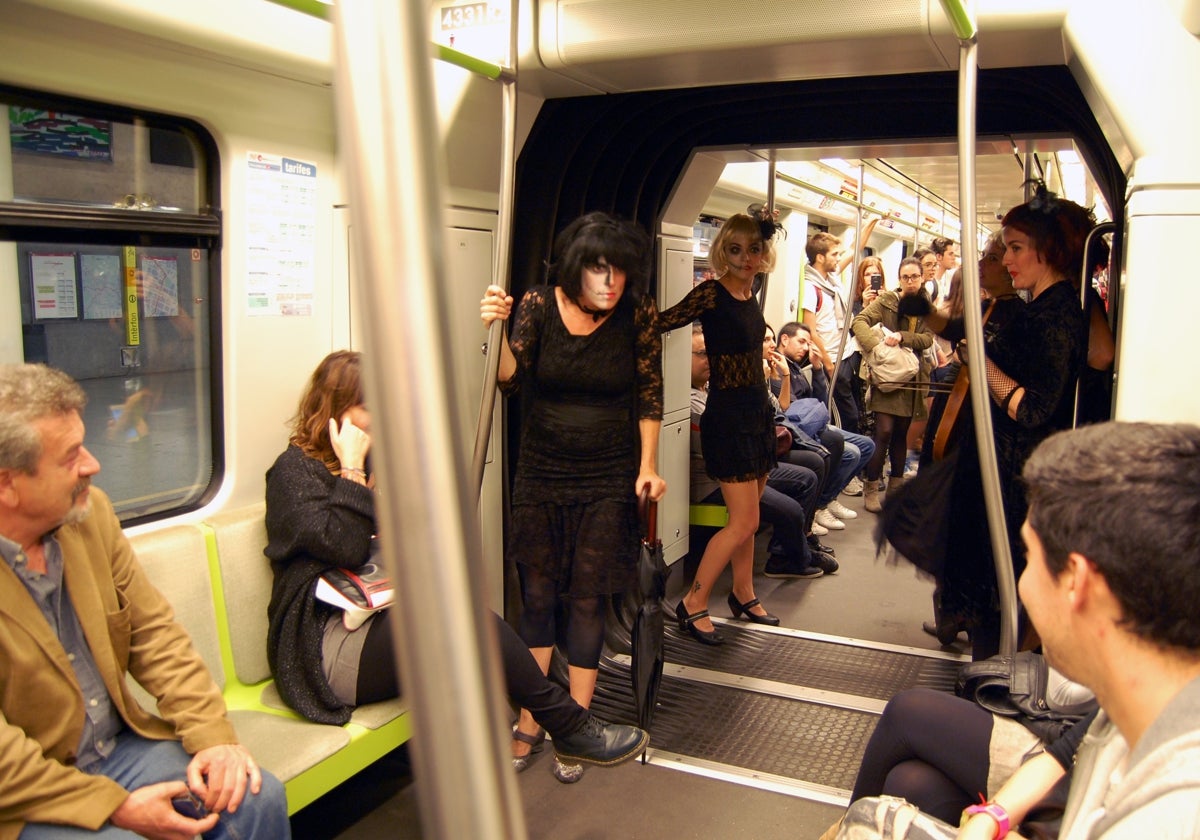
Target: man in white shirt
824	307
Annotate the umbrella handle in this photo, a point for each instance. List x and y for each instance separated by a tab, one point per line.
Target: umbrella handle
648	514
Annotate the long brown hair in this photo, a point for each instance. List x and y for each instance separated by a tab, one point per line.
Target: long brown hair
335	387
860	285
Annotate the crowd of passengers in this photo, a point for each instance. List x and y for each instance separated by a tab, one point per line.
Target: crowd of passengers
1108	600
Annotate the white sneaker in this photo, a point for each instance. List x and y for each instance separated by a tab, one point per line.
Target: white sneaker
818	530
854	487
840	510
827	519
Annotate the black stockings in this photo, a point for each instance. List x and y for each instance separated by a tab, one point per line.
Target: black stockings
930	748
891	436
575	624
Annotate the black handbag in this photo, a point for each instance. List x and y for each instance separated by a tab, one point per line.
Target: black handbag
1016	687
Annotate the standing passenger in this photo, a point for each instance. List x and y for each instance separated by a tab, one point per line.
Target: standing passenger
894	409
592	355
737	429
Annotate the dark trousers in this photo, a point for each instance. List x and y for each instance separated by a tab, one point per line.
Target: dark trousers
790	492
528	688
843	397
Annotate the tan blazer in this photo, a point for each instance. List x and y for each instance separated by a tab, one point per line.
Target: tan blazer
130	628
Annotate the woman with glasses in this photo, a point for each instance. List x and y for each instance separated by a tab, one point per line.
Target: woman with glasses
895	404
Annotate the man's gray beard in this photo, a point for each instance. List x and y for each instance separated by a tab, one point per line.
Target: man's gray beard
77	514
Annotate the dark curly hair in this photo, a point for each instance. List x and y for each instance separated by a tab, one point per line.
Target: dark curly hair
1057	229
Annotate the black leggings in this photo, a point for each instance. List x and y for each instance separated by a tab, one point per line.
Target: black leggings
575	624
528	688
891	435
931	748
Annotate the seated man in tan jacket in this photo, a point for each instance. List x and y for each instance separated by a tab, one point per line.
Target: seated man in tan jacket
78	756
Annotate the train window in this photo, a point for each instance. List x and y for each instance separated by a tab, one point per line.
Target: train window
108	251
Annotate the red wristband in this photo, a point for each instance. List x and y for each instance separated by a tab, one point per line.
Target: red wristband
994	811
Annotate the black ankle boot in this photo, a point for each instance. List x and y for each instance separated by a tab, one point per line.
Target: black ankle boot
598	742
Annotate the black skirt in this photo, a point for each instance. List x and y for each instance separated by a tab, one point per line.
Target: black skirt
737	434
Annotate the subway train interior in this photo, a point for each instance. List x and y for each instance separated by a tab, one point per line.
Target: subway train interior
199	201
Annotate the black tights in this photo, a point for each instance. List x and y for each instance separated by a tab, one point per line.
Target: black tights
549	703
891	435
931	748
575	624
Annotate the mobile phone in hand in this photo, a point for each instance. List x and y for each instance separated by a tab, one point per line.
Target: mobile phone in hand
876	281
189	805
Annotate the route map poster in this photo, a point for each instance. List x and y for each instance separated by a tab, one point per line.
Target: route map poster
101	281
160	287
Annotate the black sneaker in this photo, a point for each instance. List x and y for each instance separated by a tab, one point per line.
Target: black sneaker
824	562
816	545
598	742
784	570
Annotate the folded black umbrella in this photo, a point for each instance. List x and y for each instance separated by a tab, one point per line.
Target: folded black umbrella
647	633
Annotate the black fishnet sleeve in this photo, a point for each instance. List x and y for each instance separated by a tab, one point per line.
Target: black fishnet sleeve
649	360
527	334
699	300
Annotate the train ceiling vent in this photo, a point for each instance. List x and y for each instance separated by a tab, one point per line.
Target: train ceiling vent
635	45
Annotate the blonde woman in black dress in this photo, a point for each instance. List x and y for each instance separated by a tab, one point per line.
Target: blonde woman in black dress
737	429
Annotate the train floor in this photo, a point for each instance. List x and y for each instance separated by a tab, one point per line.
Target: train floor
758	738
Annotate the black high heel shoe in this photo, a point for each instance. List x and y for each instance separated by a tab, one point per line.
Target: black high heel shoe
738	609
687	624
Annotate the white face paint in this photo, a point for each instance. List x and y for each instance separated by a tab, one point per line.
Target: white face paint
602	286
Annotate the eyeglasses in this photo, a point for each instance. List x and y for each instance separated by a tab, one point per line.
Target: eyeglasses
910	277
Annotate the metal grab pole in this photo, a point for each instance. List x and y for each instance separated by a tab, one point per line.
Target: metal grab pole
1085	280
503	269
976	362
387	130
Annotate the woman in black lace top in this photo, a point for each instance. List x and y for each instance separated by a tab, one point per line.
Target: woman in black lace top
588	351
737	429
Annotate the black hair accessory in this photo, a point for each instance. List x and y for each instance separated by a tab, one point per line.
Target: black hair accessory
1043	200
766	219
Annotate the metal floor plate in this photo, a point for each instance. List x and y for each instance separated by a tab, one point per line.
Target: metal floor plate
828	666
802	741
757	732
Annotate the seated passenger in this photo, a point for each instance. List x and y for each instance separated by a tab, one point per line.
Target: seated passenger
321	515
1113	601
789	488
80	616
808	381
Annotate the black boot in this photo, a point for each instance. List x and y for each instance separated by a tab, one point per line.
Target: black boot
597	742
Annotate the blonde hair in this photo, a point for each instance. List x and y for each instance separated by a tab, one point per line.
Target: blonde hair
739	224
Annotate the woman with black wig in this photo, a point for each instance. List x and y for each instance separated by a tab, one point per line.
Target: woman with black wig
588	351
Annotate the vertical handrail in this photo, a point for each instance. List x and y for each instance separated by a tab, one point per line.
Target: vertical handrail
972	303
503	268
448	658
1085	280
848	314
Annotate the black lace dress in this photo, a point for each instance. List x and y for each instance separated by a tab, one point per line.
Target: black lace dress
737	429
574	514
1042	346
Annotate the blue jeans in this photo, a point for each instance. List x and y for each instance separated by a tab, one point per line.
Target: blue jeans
136	762
859	449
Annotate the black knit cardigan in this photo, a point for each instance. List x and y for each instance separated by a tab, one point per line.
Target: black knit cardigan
315	521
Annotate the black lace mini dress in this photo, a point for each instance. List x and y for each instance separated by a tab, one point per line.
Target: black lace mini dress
737	429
